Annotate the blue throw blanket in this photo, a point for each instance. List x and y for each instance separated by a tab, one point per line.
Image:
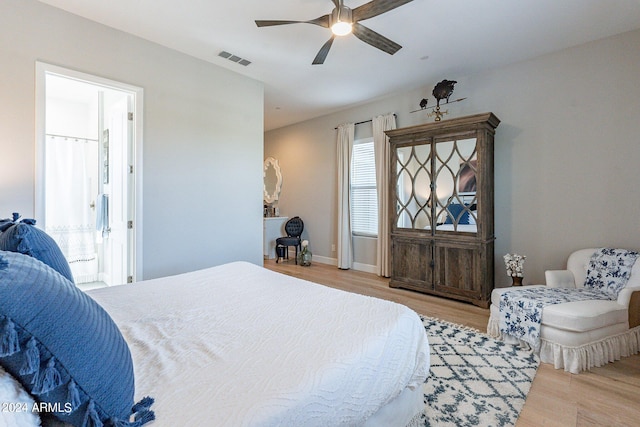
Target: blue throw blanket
521	309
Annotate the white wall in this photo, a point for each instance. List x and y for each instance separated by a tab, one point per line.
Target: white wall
203	135
566	154
69	118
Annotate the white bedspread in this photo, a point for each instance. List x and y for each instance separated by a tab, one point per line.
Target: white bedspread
239	345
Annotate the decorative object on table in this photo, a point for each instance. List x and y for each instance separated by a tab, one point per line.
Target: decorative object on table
270	211
514	264
474	379
343	21
304	258
442	90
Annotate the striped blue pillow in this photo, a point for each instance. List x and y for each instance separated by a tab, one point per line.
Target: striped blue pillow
64	348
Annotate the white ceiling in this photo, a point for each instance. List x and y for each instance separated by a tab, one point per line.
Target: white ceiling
440	39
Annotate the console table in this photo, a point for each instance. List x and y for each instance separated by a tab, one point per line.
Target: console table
272	229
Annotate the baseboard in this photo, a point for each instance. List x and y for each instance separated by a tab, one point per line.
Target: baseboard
324	260
367	268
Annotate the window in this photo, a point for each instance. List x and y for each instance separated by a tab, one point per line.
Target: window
364	197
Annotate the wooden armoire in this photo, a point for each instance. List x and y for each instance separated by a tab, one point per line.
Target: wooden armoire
441	208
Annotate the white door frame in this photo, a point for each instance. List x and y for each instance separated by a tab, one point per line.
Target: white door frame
42	69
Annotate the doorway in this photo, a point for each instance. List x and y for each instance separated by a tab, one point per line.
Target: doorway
88	137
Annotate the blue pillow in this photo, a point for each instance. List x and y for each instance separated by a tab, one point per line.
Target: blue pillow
454	209
5	223
25	238
64	348
8	222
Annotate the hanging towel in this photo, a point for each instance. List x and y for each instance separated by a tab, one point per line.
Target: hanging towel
102	214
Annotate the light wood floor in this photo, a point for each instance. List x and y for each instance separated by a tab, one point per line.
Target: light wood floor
607	396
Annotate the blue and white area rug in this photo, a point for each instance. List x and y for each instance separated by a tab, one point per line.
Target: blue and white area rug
475	380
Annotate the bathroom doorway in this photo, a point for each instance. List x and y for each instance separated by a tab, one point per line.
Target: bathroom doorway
86	191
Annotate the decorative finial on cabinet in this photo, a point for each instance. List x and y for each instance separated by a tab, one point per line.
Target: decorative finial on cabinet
442	90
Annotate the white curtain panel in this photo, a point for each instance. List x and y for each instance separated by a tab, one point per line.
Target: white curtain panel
69	218
381	149
345	245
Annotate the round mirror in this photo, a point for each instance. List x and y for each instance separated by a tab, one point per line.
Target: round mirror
272	180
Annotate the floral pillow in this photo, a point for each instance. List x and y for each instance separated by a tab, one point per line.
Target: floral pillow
609	270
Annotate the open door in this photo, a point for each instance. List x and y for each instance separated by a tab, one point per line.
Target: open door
98	121
117	183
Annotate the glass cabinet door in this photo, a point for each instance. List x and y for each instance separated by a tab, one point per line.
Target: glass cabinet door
413	187
436	186
455	166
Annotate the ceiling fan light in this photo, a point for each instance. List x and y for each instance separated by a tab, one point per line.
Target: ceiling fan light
341	28
341	20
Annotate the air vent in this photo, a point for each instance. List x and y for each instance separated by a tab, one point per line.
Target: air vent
234	58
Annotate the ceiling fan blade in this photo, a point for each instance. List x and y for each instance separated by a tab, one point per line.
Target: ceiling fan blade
272	23
375	8
374	39
322	21
324	50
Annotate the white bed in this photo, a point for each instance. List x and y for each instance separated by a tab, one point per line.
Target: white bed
239	345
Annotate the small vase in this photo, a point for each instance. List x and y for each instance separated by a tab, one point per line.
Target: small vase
517	280
304	258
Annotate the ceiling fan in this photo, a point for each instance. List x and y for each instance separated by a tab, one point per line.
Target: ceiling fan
343	21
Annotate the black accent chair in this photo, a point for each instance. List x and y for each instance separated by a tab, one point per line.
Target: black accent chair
293	228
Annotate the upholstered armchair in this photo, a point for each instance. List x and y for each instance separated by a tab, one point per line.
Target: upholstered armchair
580	335
293	228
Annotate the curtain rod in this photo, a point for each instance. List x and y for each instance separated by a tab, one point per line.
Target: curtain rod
365	121
71	137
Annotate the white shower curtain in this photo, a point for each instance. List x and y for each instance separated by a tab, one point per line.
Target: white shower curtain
70	220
